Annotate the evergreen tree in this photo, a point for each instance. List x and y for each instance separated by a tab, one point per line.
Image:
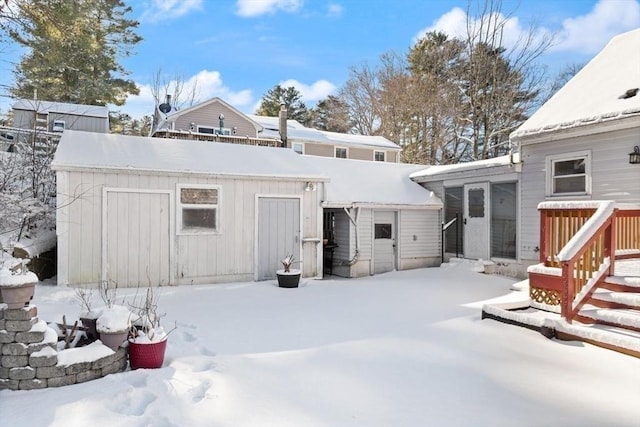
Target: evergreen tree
73	49
290	97
331	114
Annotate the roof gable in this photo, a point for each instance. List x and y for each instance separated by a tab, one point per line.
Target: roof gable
595	93
173	115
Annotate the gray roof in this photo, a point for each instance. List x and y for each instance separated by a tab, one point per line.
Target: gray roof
62	108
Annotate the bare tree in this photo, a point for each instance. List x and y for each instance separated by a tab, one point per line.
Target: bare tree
183	93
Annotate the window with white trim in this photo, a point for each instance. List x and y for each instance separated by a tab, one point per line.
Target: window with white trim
379	156
569	174
213	131
298	147
198	209
341	153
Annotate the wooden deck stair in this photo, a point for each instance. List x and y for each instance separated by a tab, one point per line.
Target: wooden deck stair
580	249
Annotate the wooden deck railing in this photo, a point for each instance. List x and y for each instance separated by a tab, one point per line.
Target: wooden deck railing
234	139
584	242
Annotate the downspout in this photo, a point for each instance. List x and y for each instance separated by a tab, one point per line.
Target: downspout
354	221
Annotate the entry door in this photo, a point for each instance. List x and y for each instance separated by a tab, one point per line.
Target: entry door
278	234
476	221
384	242
137	238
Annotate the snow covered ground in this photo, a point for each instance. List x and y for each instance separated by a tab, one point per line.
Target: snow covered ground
398	349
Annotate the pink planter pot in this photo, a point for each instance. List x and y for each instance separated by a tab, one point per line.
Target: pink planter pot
113	340
18	296
147	355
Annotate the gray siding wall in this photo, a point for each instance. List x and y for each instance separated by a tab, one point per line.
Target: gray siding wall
208	116
360	153
226	256
317	149
25	120
613	178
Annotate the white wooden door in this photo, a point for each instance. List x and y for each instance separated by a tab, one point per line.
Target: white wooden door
278	234
384	241
137	238
476	221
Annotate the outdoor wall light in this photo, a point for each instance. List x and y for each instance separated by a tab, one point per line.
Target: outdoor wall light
309	186
634	158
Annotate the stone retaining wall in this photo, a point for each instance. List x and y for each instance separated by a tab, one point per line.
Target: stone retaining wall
29	358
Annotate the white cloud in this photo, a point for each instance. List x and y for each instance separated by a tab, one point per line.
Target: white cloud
251	8
335	9
311	93
454	24
162	10
208	84
589	33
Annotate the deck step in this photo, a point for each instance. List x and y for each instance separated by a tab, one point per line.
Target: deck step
628	299
611	337
622	317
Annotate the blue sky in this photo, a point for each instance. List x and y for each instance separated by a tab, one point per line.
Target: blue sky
239	49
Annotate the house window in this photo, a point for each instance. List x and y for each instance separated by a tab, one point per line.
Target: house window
378	156
214	131
298	147
504	211
198	208
568	174
341	152
476	203
382	231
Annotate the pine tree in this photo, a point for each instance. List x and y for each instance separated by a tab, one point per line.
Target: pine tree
73	49
290	97
331	114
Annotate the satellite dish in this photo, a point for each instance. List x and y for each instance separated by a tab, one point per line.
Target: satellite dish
165	108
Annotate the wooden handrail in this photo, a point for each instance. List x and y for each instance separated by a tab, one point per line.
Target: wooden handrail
584	239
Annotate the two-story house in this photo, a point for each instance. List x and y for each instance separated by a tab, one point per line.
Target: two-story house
216	120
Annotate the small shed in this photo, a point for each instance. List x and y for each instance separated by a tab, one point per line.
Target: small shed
58	116
134	210
376	219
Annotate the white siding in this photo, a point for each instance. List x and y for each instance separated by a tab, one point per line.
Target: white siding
613	178
419	233
227	256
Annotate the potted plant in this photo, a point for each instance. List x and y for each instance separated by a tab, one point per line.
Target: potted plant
147	338
114	321
88	316
287	277
17	286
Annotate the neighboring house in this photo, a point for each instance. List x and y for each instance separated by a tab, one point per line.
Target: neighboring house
314	142
575	147
135	209
49	116
216	120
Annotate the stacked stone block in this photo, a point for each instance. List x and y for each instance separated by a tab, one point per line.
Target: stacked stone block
29	355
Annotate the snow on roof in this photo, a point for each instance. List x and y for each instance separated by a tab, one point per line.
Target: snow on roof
432	171
362	182
596	93
109	151
298	132
62	108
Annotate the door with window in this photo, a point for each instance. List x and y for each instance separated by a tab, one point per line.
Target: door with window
384	242
476	221
278	234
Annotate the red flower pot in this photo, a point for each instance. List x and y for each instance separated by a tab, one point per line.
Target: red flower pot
147	355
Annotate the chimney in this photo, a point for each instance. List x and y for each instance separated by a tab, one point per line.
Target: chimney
283	124
168	99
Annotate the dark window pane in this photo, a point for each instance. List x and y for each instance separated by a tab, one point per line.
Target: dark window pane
503	220
569	167
476	203
341	153
453	197
199	219
383	231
